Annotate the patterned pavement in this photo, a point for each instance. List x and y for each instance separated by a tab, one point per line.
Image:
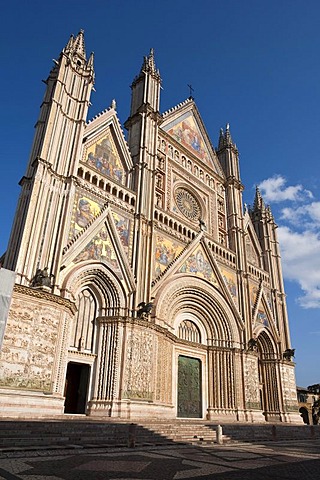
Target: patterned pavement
283	460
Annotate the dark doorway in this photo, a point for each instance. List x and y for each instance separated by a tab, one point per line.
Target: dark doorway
76	388
305	415
189	387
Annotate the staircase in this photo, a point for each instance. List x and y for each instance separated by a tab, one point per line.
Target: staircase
71	433
82	432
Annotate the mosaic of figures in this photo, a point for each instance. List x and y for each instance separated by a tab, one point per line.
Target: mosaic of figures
101	249
84	211
185	130
253	289
262	318
166	251
123	228
103	156
198	264
230	280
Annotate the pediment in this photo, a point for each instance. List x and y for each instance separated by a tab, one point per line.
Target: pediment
262	316
253	247
184	124
197	260
102	240
105	149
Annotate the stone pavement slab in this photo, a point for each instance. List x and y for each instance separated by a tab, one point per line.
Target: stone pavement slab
272	461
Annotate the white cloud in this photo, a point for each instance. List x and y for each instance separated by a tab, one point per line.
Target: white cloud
301	262
307	215
274	189
299	235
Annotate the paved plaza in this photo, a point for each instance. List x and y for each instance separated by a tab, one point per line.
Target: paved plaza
282	460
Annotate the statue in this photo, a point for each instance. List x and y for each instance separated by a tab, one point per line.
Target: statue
144	309
289	354
252	345
42	278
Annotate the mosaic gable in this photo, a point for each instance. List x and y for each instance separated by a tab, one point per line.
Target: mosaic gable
185	130
230	281
101	249
123	226
104	157
166	251
252	254
198	265
253	289
84	211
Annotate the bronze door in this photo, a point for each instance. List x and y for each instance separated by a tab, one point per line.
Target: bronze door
189	387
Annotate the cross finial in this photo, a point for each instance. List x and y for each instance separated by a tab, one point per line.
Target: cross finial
191	91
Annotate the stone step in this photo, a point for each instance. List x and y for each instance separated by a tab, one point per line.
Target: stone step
51	434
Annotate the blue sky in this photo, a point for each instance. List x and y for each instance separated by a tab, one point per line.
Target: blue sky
252	63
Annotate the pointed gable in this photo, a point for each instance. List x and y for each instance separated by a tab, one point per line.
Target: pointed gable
198	264
253	247
100	248
103	240
105	148
183	123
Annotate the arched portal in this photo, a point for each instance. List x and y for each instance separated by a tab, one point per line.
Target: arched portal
206	351
90	363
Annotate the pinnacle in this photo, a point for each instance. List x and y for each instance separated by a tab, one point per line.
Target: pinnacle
225	139
258	203
78	44
149	63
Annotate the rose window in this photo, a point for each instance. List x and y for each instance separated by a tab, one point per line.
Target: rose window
187	204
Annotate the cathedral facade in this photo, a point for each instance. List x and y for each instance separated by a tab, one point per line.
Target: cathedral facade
143	288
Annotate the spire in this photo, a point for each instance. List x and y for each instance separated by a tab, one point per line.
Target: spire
69	45
221	139
76	45
258	203
227	136
149	63
90	60
225	139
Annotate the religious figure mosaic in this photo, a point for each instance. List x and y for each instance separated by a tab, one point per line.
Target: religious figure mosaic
230	281
84	211
100	249
198	265
185	130
166	251
262	318
104	157
123	229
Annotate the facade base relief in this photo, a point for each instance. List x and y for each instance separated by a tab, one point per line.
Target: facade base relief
130	410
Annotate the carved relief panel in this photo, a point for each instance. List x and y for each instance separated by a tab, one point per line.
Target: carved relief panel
28	357
289	387
251	382
138	374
